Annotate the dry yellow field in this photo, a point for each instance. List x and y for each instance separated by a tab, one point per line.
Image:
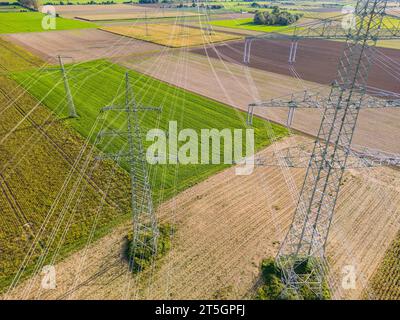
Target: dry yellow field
171	35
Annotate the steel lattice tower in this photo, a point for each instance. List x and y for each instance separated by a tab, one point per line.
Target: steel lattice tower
306	239
145	229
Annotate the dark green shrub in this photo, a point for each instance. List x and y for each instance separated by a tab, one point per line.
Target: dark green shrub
273	287
259	18
142	257
275	17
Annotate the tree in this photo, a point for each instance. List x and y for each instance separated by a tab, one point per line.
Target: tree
275	17
259	18
275	10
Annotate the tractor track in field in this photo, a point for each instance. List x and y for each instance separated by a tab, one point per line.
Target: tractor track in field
59	149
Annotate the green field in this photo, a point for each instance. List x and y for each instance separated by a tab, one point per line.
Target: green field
11	8
32	22
102	84
34	174
249	25
69	2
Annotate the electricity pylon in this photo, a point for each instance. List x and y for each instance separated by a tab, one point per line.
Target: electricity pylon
301	256
145	229
70	101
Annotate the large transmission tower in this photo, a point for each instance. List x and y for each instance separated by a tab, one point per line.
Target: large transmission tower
301	256
145	229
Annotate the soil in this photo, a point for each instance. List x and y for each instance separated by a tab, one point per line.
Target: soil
80	45
316	60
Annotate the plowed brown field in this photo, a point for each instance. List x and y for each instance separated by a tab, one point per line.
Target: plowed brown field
80	45
316	60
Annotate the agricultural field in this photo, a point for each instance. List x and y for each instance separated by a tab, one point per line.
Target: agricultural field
82	2
11	8
75	189
94	90
32	22
385	285
80	45
39	160
224	231
98	13
229	82
248	24
171	35
316	60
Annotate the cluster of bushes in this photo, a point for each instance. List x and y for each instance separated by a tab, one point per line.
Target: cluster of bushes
276	17
213	6
273	287
141	258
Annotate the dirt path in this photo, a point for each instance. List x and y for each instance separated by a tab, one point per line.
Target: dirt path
226	226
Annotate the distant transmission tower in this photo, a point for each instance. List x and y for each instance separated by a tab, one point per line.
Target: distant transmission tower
70	100
301	256
145	229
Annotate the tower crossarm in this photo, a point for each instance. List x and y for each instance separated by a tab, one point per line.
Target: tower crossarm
299	157
317	98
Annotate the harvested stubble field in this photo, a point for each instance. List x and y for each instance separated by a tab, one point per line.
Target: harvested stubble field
100	83
80	45
171	35
237	85
43	166
226	225
119	12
